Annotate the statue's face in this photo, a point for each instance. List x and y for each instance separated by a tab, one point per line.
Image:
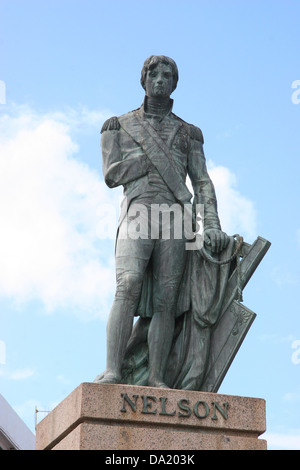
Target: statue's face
159	81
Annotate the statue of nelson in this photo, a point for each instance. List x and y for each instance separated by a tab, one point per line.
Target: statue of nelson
150	151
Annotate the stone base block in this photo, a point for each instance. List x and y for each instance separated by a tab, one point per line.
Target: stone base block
128	417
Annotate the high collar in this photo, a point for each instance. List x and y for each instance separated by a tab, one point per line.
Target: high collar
145	108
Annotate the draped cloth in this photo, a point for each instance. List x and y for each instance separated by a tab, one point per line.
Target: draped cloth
199	306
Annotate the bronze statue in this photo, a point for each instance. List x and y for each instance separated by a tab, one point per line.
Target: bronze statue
177	292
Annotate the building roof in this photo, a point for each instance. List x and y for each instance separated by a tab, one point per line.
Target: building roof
14	434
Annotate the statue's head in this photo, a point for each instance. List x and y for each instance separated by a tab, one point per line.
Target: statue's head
157	60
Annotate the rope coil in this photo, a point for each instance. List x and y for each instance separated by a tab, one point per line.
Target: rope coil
239	242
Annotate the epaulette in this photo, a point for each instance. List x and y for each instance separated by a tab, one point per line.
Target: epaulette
195	133
112	124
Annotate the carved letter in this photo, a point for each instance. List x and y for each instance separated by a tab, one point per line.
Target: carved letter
148	404
221	410
131	404
196	409
163	408
182	404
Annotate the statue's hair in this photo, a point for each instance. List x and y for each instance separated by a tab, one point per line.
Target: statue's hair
153	61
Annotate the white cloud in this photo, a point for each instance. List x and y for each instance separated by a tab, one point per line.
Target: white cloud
22	374
237	213
277	338
18	374
62	379
49	212
278	441
284	276
81	119
291	397
53	211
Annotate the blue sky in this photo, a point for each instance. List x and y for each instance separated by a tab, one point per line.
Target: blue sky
68	65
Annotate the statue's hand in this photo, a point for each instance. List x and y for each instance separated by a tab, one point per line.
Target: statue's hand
216	239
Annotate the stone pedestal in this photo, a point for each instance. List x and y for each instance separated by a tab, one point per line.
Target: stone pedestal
127	417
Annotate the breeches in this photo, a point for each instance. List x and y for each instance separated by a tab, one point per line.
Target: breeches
167	258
